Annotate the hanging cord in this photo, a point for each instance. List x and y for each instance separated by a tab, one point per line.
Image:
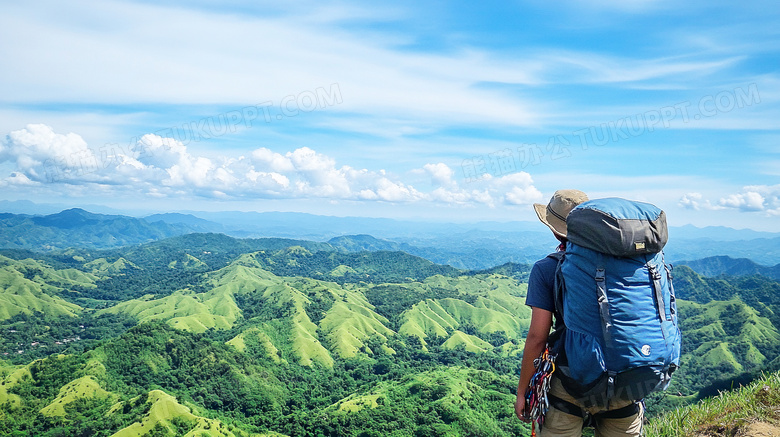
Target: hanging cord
536	400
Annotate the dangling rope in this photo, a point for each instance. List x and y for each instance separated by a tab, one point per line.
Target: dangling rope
536	401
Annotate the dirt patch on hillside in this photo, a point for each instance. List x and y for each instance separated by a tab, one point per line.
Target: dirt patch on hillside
760	429
755	429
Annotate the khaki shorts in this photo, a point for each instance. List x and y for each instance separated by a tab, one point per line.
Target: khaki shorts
560	424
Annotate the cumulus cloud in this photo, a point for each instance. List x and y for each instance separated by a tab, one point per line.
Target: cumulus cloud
440	173
759	198
17	179
396	191
518	189
39	152
694	201
511	189
269	160
754	198
749	201
522	196
318	174
164	167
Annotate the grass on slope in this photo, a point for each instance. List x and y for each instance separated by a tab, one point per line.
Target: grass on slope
255	339
348	326
18	294
11	376
101	266
751	410
166	416
496	309
452	400
41	272
469	342
84	387
196	312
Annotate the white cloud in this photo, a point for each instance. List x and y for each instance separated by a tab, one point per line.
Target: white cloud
42	155
516	188
163	167
513	189
160	152
446	196
753	198
696	201
691	201
749	201
441	174
318	174
522	196
17	179
271	161
756	198
483	197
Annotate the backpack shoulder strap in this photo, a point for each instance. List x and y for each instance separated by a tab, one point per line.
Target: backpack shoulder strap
557	255
558	327
558	287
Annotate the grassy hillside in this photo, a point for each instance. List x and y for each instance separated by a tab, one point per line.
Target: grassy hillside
752	410
724	339
209	335
29	286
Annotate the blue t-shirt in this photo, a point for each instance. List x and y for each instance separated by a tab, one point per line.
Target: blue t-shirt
541	284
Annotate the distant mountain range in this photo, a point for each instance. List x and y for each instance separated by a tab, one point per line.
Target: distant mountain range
79	228
476	246
725	265
207	334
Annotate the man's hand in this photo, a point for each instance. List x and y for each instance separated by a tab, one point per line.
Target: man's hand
520	409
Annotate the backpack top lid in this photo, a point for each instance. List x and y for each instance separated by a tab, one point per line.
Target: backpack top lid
618	227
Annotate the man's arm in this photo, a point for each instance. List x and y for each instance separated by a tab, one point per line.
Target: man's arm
541	322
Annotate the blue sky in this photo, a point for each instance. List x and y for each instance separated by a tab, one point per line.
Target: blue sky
456	111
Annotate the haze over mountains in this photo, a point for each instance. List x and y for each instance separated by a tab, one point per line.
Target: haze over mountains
174	324
479	245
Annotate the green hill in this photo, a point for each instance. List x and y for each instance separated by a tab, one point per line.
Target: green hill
101	266
210	335
723	335
166	416
29	286
84	388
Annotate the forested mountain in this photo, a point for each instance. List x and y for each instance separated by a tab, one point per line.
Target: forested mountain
195	223
726	265
472	246
80	228
237	337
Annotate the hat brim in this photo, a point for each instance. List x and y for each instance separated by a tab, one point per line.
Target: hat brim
556	225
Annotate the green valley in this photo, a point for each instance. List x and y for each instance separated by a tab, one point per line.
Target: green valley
204	334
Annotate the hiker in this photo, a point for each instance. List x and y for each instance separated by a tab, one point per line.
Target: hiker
565	416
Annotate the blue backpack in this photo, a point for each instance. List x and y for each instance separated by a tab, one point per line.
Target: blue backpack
619	338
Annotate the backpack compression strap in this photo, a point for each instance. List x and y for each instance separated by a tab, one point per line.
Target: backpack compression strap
606	319
655	275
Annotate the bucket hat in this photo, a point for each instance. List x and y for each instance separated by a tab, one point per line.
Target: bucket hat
554	213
